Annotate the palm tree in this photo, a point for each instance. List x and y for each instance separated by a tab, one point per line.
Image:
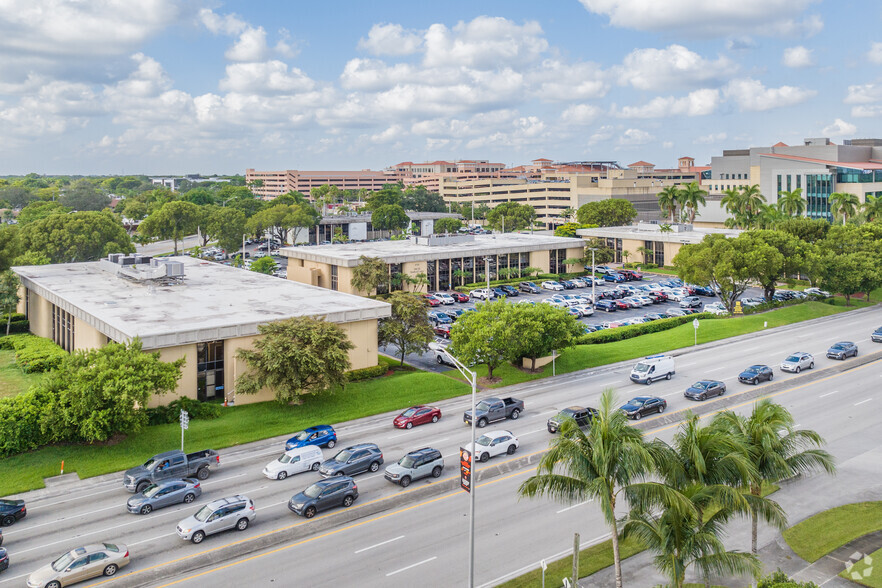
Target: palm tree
567	213
844	204
776	449
648	254
602	464
791	203
873	207
669	199
752	199
691	196
767	217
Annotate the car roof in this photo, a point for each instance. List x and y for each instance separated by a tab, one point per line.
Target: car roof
574	408
228	500
363	446
423	451
498	433
319	428
643	398
758	365
329	481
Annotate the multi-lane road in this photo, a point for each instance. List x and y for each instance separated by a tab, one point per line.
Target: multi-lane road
425	539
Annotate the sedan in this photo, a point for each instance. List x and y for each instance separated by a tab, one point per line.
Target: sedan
163	494
459	296
417	415
431	300
637	408
552	285
442	330
704	389
509	290
876	337
614	277
494	443
568	285
817	292
672	312
82	563
440	318
11	511
796	362
322	435
584	310
324	494
607	305
756	374
623	305
842	350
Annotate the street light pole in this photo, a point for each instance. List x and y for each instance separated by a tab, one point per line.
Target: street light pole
593	277
487	271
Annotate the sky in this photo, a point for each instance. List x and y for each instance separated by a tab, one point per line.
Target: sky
196	86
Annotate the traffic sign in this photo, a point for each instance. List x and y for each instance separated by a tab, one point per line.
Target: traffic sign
695	323
465	467
185	420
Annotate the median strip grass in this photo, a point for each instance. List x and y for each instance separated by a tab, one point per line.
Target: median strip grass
866	571
237	425
817	536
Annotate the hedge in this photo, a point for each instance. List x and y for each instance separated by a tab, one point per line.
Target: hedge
627	332
367	373
170	413
34	354
20	422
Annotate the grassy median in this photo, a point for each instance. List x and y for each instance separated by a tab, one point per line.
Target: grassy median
866	571
817	536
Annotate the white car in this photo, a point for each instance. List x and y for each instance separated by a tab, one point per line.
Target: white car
444	297
570	301
796	362
644	300
557	303
552	285
294	461
817	292
494	443
715	308
676	295
584	310
481	293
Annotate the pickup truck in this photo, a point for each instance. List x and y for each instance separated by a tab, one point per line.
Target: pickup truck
495	409
171	465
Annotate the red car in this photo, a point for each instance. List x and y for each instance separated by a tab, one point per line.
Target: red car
442	330
417	415
622	305
460	297
431	300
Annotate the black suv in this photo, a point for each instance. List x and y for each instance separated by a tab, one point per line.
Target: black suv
353	460
11	511
421	463
580	414
323	495
509	290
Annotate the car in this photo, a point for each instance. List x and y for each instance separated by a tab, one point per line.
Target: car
460	297
580	414
579	282
509	290
623	305
323	495
11	511
431	300
444	297
600	269
817	292
568	299
704	389
584	310
555	302
164	493
567	284
494	443
614	277
234	512
574	313
82	563
552	285
417	415
703	291
690	302
686	311
321	435
631	275
529	288
295	461
876	336
751	302
842	350
4	559
635	321
672	312
440	318
796	362
421	463
715	308
607	305
499	292
658	296
482	294
756	374
353	460
530	302
653	316
455	313
613	324
640	406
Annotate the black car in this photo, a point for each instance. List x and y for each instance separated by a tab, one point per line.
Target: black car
637	408
756	374
704	291
568	285
529	288
11	511
353	460
704	389
510	290
4	559
653	316
499	291
842	350
323	495
876	337
580	414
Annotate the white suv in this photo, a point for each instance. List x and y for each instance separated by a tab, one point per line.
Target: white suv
481	293
494	443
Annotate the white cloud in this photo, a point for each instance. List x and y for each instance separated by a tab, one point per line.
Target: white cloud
485	42
711	139
604	133
700	18
875	52
226	24
527	130
391	39
698	103
389	135
668	145
863	94
867	111
797	56
555	80
265	78
752	95
581	114
839	128
251	46
632	137
740	43
675	65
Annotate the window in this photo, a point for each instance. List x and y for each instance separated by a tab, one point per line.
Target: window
788	182
779	184
798	182
333	277
209	370
62	328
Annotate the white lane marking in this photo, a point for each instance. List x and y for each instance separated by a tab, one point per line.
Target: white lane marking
253	455
442	440
716	369
152	539
26	575
77	497
574	506
532	432
412	566
380	544
828	393
408	432
671	394
863	401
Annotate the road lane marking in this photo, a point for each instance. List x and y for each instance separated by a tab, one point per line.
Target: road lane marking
380	544
863	401
828	394
434	557
408	432
532	432
151	539
574	506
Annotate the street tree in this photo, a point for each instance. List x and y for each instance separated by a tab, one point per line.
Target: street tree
390	195
669	200
408	327
295	357
612	212
390	217
602	252
485	336
847	273
226	225
9	286
448	225
199	197
419	198
691	196
550	329
83	195
40	209
78	236
511	216
369	275
264	265
788	261
174	220
280	219
809	230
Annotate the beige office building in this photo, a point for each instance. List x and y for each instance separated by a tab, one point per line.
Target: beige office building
183	307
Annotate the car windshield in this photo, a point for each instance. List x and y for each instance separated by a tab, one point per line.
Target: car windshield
838	346
637	402
151	490
203	514
63	561
483	406
343	456
409	412
700	385
754	369
406	461
302	436
284	458
313	491
641	367
484	440
792	358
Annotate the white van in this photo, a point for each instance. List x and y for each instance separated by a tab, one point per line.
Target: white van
654	367
294	461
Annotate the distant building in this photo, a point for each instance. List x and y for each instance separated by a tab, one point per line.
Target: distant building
174	182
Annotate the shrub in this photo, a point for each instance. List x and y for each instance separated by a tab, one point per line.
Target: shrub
9	342
171	413
622	333
20	422
36	354
367	373
779	579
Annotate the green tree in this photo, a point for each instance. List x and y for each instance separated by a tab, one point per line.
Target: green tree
605	464
447	225
264	265
408	327
691	196
226	226
612	212
294	357
808	230
782	256
847	273
550	328
131	208
791	202
10	245
844	205
40	209
99	392
390	195
569	229
485	336
174	220
389	217
9	285
418	198
775	447
83	195
17	196
872	208
369	275
602	253
32	258
249	205
323	196
511	216
669	200
78	236
199	197
281	218
779	579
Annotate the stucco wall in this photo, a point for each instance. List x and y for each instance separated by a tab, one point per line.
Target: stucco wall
573	253
87	337
309	272
187	383
40	316
540	259
412	269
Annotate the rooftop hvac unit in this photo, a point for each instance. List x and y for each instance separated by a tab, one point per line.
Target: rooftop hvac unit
174	269
145	259
127	260
114	257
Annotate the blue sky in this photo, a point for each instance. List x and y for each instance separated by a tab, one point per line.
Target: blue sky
173	86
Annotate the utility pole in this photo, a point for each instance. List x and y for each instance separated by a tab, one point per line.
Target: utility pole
576	560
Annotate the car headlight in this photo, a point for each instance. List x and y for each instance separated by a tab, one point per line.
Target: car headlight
298	505
185	531
394	475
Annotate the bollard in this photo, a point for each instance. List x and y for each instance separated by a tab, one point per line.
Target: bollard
62	467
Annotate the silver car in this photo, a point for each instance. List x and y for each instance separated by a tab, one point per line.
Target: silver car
82	563
235	512
796	362
163	494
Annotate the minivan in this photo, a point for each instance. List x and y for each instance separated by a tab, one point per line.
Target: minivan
294	461
654	367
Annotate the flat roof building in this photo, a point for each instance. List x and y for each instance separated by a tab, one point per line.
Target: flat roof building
184	307
444	261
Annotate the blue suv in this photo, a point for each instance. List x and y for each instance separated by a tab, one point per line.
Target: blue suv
614	277
322	435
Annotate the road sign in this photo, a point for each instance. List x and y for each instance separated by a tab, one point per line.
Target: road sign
185	420
738	309
465	467
695	323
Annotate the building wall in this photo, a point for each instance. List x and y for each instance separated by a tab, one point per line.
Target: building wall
87	337
187	383
309	272
540	259
40	316
573	253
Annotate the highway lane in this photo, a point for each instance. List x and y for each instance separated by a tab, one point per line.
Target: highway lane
427	544
91	512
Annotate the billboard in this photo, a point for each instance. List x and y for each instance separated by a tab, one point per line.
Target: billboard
465	468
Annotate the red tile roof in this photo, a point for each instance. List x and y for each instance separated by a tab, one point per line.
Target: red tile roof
641	164
780	144
542	159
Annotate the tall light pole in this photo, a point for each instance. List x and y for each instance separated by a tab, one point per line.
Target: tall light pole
593	276
472	378
487	271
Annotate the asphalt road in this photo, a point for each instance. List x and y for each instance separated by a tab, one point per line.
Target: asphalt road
511	533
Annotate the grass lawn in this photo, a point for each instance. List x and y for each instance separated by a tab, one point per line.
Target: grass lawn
817	536
12	379
866	573
239	424
587	356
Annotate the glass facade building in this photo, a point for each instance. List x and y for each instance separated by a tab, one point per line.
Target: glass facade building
818	188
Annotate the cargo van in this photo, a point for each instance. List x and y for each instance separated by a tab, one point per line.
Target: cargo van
654	367
294	461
